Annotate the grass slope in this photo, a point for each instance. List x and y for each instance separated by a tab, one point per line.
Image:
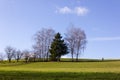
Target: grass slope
61	71
113	66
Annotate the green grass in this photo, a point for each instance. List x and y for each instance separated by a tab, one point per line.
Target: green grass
107	70
18	75
113	66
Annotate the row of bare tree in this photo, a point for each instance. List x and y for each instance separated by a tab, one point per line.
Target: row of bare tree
12	53
43	39
74	37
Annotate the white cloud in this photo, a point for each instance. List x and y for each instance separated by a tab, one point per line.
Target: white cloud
64	10
105	39
80	11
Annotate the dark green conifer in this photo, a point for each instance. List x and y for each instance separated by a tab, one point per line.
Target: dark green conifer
58	48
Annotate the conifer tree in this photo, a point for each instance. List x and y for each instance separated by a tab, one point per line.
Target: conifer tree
58	48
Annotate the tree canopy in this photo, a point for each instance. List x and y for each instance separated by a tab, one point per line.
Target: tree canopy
58	48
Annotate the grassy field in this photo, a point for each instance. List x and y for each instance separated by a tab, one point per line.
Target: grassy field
107	70
18	75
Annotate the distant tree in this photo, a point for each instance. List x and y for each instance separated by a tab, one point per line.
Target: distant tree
76	39
18	55
34	55
10	51
80	42
26	54
43	39
102	59
58	48
70	38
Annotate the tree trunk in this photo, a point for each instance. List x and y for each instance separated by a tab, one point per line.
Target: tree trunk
9	60
47	56
47	53
77	54
72	54
77	57
72	57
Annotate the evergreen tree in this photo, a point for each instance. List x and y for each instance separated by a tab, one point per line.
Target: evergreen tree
58	48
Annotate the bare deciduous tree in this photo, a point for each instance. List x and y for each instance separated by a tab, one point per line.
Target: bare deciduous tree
43	39
70	38
18	55
34	56
80	42
26	55
9	52
76	39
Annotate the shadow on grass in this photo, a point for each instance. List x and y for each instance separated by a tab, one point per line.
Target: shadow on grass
21	75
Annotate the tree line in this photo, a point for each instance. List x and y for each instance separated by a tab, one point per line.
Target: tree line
50	46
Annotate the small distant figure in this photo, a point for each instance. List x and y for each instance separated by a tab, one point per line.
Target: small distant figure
102	59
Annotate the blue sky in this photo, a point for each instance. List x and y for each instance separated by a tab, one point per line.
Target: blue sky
20	19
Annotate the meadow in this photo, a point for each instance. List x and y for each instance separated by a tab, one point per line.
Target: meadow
90	70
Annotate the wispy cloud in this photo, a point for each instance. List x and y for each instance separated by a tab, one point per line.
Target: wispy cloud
104	39
80	11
